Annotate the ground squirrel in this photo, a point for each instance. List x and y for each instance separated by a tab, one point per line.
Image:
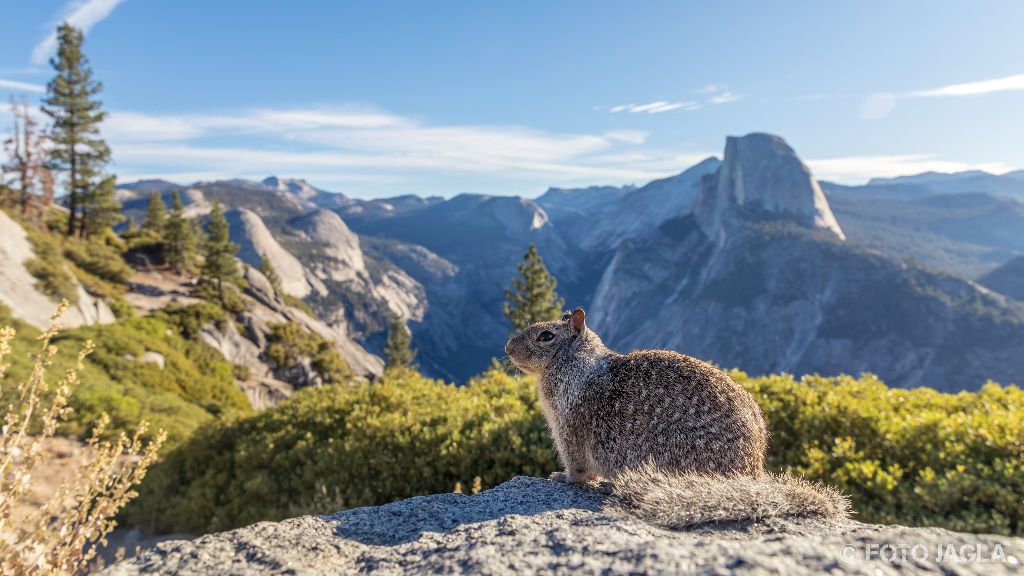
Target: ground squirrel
673	437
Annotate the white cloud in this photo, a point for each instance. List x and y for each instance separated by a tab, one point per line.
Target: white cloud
1008	83
655	107
859	169
16	86
715	94
82	14
881	104
365	145
630	136
725	97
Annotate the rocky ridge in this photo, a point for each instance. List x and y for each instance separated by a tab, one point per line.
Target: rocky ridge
530	526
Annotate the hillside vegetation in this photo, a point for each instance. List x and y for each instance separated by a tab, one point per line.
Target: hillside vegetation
194	387
915	457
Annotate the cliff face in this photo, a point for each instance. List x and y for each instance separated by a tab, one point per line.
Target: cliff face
18	291
759	277
532	526
761	176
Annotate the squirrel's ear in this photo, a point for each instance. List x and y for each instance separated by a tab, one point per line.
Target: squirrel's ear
578	320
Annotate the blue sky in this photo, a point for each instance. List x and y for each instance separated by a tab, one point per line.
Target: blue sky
382	98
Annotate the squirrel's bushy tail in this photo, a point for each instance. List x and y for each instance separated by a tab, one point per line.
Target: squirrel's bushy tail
687	500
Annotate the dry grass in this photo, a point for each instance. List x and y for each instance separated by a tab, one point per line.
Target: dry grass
61	536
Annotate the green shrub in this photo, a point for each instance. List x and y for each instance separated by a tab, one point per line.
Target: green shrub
340	446
190	319
233	300
915	457
49	266
99	264
122	310
194	387
297	303
289	343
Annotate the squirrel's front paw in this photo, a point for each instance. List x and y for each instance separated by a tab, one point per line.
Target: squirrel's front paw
562	477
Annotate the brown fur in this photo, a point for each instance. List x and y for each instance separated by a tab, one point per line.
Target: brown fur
672	436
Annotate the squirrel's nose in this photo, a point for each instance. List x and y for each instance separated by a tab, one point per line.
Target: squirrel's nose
508	347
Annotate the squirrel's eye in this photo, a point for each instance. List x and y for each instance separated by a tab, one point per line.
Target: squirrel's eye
545	336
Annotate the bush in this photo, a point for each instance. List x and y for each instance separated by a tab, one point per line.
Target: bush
98	264
61	535
333	447
49	267
915	457
289	343
195	386
189	320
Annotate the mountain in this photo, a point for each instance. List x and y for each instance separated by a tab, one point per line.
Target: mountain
749	261
1008	279
761	177
599	218
760	277
966	233
469	248
1010	184
255	242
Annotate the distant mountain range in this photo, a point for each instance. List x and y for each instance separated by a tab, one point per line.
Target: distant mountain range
749	262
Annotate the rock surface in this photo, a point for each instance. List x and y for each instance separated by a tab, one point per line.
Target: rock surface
530	526
18	291
761	175
256	242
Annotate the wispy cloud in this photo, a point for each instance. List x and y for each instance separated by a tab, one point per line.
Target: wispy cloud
712	94
346	145
880	104
655	107
725	97
82	14
859	169
1007	83
16	86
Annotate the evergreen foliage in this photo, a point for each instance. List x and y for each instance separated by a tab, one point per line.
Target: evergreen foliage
398	352
219	265
101	210
267	269
75	112
290	344
533	297
179	238
156	215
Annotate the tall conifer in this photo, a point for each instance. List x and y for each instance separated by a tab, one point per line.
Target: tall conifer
75	112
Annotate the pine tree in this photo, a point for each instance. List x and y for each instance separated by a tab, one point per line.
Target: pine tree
72	106
268	270
101	209
156	215
398	352
179	238
219	266
533	297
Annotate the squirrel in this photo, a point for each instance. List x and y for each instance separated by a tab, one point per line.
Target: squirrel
676	440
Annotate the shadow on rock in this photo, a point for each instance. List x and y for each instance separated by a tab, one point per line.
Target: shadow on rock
405	521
